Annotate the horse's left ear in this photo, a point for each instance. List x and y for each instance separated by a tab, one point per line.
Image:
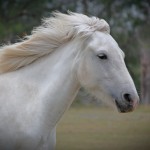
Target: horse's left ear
103	26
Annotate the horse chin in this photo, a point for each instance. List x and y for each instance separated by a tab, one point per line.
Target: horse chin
124	108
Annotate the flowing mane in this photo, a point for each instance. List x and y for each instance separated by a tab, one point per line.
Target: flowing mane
53	32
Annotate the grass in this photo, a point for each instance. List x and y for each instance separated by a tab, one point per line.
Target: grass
99	128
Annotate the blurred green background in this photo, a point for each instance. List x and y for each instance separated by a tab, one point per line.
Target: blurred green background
128	19
130	25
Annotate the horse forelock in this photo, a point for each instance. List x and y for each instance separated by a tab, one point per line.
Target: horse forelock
53	32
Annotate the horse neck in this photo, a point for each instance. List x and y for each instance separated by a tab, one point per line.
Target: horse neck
55	76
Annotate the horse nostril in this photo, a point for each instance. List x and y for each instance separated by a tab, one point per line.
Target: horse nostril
128	98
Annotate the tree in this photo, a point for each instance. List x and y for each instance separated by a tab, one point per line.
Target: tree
18	17
144	41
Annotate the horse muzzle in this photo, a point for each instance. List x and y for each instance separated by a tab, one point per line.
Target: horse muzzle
127	104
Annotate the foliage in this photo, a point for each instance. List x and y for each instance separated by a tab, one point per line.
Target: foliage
18	17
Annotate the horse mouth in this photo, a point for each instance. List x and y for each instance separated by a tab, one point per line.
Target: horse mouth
124	108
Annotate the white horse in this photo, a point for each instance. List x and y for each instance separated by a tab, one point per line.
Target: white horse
41	75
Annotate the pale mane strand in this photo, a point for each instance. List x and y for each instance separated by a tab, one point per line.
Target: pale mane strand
54	31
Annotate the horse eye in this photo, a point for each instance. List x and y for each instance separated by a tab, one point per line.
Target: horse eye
102	56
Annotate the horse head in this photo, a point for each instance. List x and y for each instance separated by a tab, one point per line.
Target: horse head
102	71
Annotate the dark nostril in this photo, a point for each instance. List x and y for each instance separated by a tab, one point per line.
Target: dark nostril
128	97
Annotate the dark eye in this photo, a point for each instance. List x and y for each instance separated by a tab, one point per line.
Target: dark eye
102	56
